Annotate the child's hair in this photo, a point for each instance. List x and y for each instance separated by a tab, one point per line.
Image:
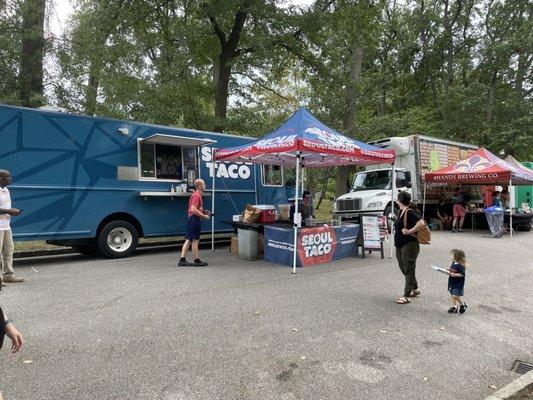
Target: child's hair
459	256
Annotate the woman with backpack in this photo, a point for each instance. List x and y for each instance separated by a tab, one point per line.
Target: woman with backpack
406	226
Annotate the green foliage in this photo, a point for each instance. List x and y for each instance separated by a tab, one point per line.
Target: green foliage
454	69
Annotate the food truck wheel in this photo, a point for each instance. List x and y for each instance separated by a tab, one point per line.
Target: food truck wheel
117	239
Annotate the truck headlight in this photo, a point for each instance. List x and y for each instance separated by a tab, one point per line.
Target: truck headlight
375	204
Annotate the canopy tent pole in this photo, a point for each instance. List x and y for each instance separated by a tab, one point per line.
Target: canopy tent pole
424	200
393	186
303	180
510	207
296	220
213	172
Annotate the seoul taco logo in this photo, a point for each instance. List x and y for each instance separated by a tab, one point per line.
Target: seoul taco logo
316	244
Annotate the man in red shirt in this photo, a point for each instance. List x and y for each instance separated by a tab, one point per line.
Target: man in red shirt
196	213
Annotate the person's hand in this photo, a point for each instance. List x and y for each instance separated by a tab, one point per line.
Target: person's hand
206	216
15	336
13	211
207	212
405	231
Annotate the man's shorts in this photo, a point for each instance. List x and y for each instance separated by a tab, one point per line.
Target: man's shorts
194	227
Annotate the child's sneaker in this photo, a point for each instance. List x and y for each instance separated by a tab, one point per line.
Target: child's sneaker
462	308
452	310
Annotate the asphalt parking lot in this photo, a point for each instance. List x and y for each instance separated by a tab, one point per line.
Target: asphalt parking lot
141	328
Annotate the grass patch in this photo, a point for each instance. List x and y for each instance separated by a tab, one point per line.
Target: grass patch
324	213
35	245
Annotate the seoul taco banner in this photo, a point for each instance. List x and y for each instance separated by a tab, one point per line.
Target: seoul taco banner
316	245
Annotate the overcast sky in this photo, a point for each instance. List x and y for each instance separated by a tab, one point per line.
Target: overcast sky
62	9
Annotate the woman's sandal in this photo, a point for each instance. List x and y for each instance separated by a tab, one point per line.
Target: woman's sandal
402	300
414	293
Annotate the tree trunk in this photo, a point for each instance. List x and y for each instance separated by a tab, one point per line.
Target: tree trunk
425	58
325	180
222	77
490	99
381	103
91	91
228	52
350	95
31	59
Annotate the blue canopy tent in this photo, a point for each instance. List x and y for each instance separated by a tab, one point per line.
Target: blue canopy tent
303	141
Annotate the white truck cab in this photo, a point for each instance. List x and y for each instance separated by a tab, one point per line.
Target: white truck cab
371	191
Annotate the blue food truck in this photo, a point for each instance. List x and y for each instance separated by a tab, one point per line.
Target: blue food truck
100	184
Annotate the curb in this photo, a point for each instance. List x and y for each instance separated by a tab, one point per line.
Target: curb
519	389
69	250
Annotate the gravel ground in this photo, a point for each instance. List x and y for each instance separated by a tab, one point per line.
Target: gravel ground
141	328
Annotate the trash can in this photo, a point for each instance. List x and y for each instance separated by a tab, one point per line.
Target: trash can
247	244
495	220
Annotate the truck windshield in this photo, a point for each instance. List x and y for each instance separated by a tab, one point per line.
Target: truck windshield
371	180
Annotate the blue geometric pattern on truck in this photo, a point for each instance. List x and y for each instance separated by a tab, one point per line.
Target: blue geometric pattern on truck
64	168
54	211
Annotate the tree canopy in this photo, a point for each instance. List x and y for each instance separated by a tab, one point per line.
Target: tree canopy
457	69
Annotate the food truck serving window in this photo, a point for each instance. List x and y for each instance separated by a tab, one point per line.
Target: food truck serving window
272	175
165	157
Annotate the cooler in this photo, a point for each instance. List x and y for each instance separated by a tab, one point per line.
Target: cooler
268	213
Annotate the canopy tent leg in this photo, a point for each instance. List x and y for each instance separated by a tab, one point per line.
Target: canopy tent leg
393	190
424	200
213	172
303	180
295	218
510	207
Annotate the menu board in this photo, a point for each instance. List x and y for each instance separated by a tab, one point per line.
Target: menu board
371	232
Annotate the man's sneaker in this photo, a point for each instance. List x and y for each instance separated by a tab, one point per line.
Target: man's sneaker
462	308
12	279
184	263
452	310
199	263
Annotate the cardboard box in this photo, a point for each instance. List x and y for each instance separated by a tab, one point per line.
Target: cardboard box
234	245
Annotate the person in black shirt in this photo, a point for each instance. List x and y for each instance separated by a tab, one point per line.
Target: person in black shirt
407	247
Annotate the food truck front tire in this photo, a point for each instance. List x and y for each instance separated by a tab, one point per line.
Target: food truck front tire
117	239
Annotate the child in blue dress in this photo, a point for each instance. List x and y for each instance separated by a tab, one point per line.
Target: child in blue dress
456	281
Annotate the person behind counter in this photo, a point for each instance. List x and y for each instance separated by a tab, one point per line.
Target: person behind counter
459	210
307	207
443	213
496	199
505	197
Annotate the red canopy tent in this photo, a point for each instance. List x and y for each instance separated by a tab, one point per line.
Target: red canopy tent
304	141
481	168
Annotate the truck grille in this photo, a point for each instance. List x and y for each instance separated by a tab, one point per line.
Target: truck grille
349	205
